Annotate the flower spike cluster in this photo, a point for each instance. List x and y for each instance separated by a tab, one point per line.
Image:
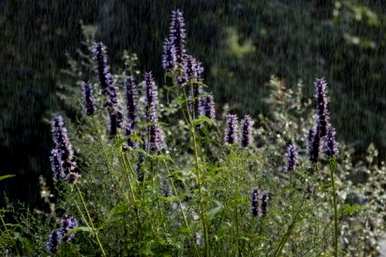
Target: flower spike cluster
62	155
156	141
246	132
231	129
323	134
108	88
177	35
59	235
88	98
168	55
259	203
292	157
207	106
323	116
131	94
330	145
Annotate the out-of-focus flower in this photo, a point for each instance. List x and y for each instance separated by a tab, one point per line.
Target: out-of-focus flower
88	98
231	129
246	131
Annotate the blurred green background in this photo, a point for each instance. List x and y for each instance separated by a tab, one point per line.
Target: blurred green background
241	43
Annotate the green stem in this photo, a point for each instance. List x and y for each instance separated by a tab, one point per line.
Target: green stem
199	182
180	205
335	205
288	233
95	232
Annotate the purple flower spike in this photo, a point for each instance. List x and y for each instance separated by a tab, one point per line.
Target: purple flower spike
292	157
330	145
54	240
246	135
88	98
57	165
156	139
313	144
68	223
131	94
207	107
151	97
108	88
231	129
177	35
323	116
103	70
168	55
63	150
259	203
58	236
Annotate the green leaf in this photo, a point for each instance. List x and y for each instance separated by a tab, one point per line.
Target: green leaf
6	176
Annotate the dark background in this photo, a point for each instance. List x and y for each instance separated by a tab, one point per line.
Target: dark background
241	43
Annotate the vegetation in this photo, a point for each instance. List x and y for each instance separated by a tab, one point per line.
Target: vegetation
175	178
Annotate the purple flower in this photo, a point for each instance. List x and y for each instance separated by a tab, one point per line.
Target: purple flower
58	236
63	150
259	203
68	223
292	156
131	94
57	164
168	55
231	129
54	240
151	97
156	139
192	71
177	35
246	135
103	70
313	144
88	98
330	146
207	106
321	106
108	88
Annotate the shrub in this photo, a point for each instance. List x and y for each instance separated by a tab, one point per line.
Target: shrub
170	177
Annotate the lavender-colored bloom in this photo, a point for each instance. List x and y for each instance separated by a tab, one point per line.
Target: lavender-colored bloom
292	157
63	150
108	88
103	70
231	129
59	235
313	144
57	164
68	223
156	140
131	93
151	97
168	55
330	146
321	106
177	35
246	134
192	71
259	203
88	98
54	240
207	106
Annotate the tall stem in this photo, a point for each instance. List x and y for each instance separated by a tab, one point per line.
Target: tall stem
335	205
199	178
95	232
